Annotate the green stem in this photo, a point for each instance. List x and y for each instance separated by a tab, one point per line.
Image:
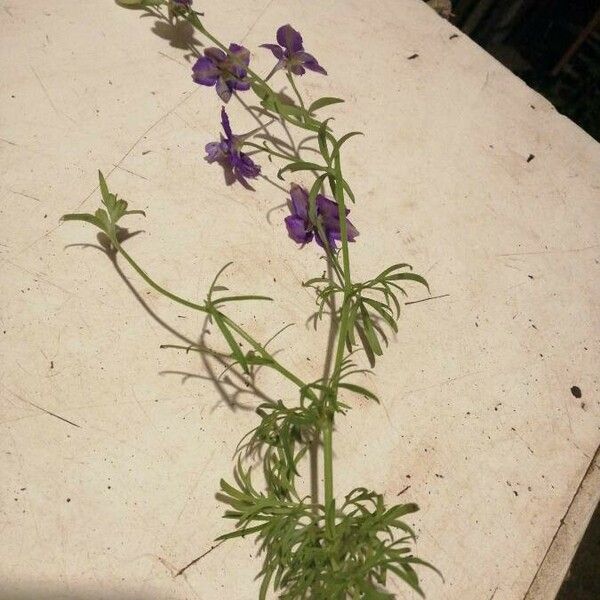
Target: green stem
232	324
153	284
328	460
298	95
268	356
345	276
269	151
341	342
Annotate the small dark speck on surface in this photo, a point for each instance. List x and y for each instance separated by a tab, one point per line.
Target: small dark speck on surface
146	152
413	56
530	276
530	158
453	36
576	391
68	499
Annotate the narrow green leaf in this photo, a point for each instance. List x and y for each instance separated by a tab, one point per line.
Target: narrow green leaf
359	390
225	299
322	139
336	149
86	217
410	276
323	102
370	332
395	267
241	532
384	312
300	165
235	348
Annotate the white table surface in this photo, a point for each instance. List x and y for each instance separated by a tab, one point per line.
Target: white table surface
110	460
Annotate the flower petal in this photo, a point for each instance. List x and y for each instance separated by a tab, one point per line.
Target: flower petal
225	124
296	228
205	72
214	152
244	166
351	231
240	86
275	49
216	55
296	68
240	54
310	62
289	38
223	90
299	201
327	208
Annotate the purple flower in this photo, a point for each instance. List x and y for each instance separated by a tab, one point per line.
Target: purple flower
290	52
229	155
227	72
302	230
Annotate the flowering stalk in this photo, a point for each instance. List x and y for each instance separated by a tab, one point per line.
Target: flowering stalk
336	549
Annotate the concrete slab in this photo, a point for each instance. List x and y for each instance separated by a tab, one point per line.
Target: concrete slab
111	455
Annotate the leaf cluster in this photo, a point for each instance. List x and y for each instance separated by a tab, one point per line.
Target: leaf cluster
311	552
106	218
374	305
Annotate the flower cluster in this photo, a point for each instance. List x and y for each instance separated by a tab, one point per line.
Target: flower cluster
229	72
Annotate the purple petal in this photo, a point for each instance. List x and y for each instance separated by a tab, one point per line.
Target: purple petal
289	38
223	90
351	231
297	68
328	208
240	86
205	72
299	202
330	241
297	230
225	124
244	166
310	62
214	152
216	55
275	49
240	54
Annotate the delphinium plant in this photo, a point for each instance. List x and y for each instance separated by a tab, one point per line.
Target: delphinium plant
349	544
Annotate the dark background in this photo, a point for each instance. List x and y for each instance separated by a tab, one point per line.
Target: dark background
553	45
